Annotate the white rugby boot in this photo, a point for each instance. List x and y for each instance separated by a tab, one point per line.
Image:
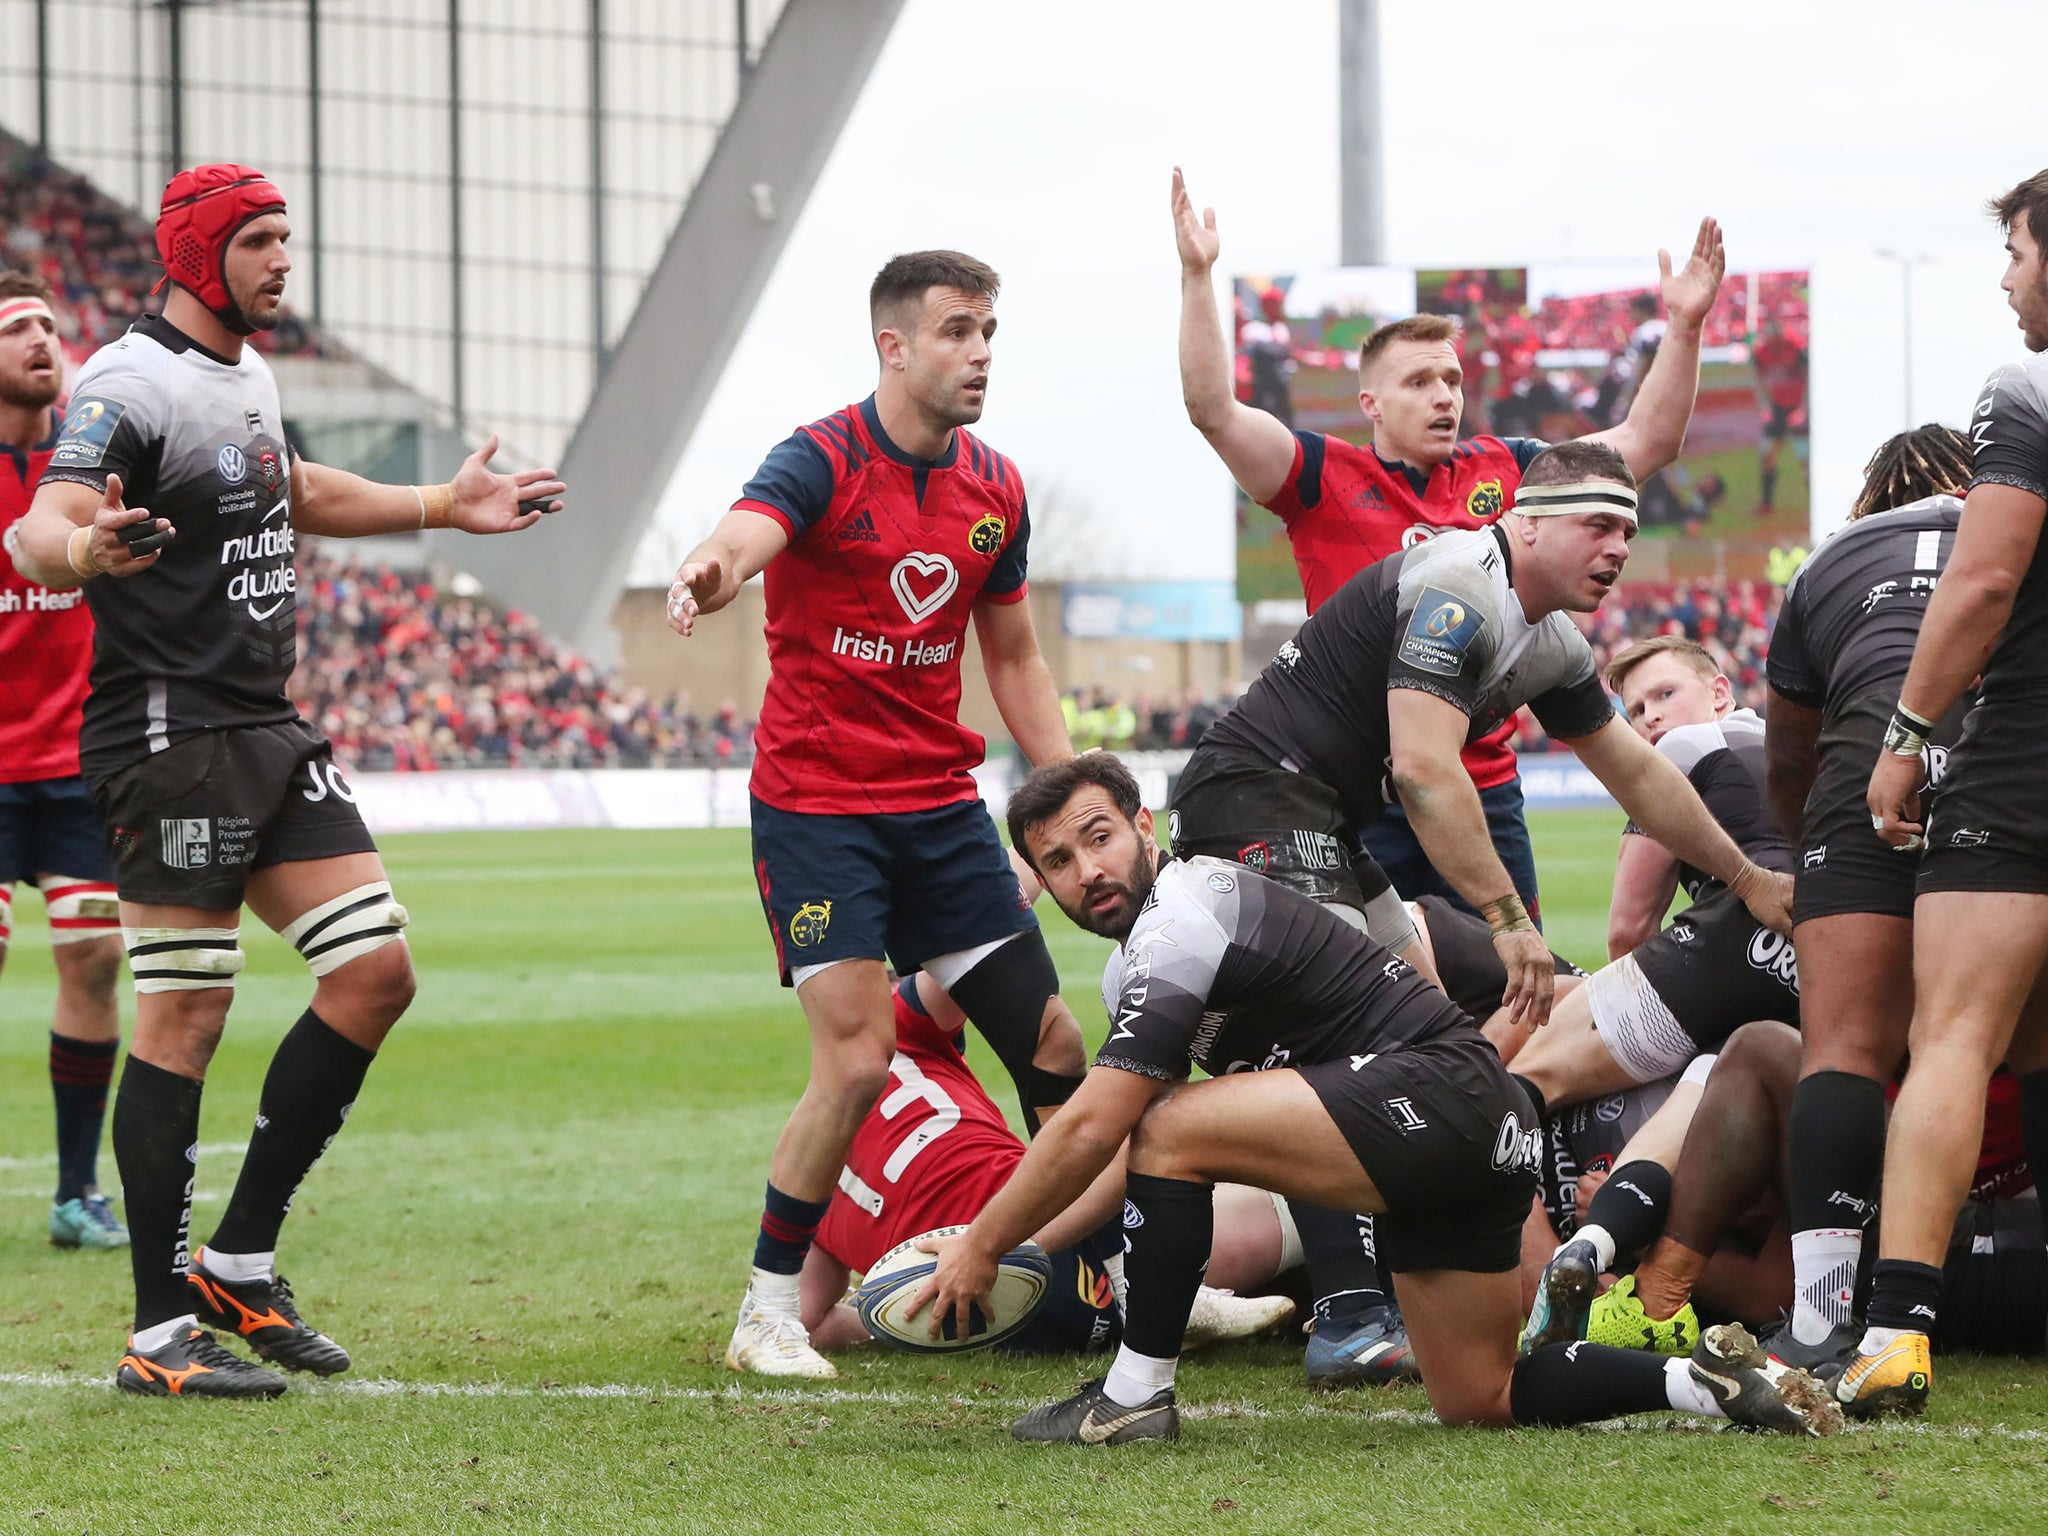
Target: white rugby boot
775	1344
1222	1315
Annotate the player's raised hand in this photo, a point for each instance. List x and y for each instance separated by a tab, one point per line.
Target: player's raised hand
1196	237
964	1280
1894	799
123	540
697	583
1532	976
487	502
1690	291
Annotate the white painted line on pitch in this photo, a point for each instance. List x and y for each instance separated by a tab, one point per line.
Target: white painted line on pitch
799	1397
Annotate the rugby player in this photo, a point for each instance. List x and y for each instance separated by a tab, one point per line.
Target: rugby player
216	793
49	834
1839	654
1980	919
934	1149
1345	507
1337	1075
883	528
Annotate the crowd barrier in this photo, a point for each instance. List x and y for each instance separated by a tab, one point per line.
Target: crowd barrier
532	799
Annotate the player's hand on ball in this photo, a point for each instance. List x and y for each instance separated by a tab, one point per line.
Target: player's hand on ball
1196	237
125	540
1532	977
487	502
964	1280
695	584
1691	291
1895	799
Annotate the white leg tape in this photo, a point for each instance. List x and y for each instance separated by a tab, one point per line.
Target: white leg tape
348	927
1290	1235
81	909
947	969
183	959
6	914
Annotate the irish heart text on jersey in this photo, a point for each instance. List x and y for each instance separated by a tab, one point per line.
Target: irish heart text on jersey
885	652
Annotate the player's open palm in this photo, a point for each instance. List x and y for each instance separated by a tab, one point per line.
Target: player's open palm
488	502
1690	291
1195	236
1532	976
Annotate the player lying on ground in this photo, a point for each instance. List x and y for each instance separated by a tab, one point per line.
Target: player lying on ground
935	1148
1338	1076
216	791
50	835
1667	997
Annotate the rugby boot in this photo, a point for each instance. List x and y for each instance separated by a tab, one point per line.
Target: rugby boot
1756	1391
86	1222
194	1366
1220	1315
263	1314
1089	1417
1823	1361
774	1344
1618	1318
1563	1297
1371	1351
1893	1380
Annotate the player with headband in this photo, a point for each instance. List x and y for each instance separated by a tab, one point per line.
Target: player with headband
174	502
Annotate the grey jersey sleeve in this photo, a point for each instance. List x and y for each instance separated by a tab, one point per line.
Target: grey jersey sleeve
1448	627
1566	693
113	424
1157	985
2009	429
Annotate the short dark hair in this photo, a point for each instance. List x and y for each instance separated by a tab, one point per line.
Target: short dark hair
2029	201
1687	650
1042	796
1580	459
905	279
23	285
1414	328
1933	460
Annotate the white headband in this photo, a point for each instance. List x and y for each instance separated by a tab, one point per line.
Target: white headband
25	307
1606	496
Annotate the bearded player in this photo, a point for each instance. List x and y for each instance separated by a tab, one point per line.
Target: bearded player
215	791
50	836
883	529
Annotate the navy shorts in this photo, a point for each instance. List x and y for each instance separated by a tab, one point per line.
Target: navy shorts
906	886
48	827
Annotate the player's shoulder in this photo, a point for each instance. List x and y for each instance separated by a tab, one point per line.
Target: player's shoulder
1466	563
2019	386
841	438
135	360
1686	745
976	459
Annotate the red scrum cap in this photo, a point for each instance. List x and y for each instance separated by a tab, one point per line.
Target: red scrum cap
202	209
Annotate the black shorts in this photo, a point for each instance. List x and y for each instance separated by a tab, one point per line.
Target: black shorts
1687	990
1845	867
1237	805
1778	421
1078	1315
1994	1282
907	886
48	827
190	824
1990	832
1450	1142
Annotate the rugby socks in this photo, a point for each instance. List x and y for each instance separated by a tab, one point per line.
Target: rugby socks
2034	1119
1630	1207
80	1071
787	1227
156	1145
1836	1139
1168	1226
1904	1297
307	1093
1343	1263
1583	1383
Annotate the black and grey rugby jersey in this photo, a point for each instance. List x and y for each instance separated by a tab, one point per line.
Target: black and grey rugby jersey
1724	762
2009	446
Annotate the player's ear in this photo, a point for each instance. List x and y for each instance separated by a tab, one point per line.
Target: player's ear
1368	402
1144	825
1724	693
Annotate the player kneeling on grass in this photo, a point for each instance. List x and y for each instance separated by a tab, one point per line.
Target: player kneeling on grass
1338	1075
935	1148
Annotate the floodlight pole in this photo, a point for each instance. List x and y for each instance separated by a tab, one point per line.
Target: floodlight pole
1906	265
1361	147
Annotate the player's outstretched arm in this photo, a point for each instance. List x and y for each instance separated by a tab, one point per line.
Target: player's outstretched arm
1645	880
338	505
1792	756
1654	430
1427	734
1021	681
73	533
1661	800
738	550
1255	445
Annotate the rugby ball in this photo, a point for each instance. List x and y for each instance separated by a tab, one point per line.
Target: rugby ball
1023	1276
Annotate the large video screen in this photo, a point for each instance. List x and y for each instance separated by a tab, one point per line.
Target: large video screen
1553	352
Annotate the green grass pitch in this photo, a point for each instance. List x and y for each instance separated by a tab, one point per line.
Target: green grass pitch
535	1228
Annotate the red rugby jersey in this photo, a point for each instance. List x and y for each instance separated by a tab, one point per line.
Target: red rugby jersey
45	645
868	608
931	1153
1345	507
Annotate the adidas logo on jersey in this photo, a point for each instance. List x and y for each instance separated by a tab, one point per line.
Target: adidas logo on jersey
861	530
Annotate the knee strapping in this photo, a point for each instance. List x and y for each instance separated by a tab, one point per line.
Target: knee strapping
80	910
1005	996
348	927
6	915
183	959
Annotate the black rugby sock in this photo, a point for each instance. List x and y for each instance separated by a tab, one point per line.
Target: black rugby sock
1343	1263
1168	1226
1836	1141
312	1084
1630	1207
1904	1295
2034	1120
1584	1383
80	1071
156	1137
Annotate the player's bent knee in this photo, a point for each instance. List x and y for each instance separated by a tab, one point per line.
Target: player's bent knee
184	959
353	924
380	981
93	965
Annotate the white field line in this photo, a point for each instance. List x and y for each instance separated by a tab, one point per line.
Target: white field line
789	1397
206	1149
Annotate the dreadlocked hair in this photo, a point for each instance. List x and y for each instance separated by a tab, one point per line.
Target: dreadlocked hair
1928	461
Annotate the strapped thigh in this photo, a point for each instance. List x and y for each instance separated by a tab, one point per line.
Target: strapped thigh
351	925
80	909
184	959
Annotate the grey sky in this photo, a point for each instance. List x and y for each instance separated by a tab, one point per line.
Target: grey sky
1040	137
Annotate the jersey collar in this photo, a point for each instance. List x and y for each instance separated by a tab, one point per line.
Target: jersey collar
873	418
1418	479
171	339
